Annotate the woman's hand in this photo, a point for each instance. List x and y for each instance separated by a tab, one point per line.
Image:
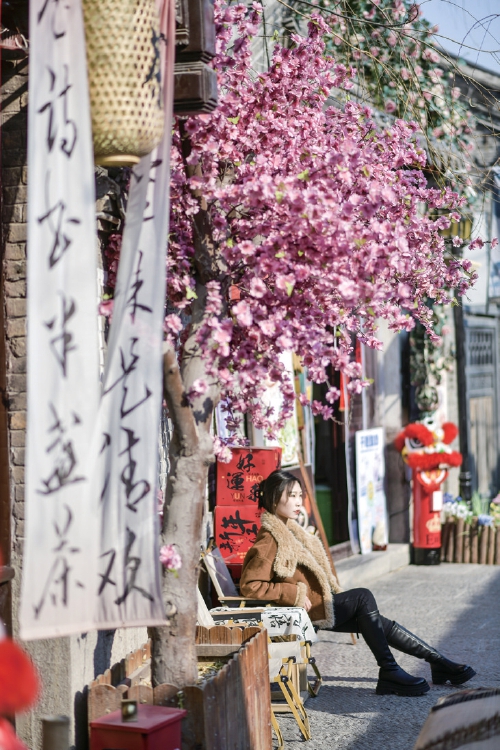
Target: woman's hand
307	604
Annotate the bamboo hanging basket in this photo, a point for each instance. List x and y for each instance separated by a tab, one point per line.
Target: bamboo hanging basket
123	61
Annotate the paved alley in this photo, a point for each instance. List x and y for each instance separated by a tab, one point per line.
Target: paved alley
453	607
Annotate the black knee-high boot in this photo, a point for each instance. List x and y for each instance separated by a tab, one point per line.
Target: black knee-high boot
392	679
442	669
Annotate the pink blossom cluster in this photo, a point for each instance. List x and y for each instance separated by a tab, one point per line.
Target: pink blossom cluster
398	65
170	558
315	214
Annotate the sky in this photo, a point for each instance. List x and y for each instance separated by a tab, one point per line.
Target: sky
466	24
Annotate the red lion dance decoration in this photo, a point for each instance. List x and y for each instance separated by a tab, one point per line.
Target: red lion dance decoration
425	447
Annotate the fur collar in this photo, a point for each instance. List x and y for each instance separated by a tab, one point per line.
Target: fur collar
297	547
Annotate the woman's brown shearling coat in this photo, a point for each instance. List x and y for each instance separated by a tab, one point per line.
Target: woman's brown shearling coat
285	565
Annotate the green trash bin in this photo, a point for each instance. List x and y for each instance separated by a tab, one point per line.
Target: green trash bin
324	502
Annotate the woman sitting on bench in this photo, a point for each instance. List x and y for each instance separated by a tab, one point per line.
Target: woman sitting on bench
289	566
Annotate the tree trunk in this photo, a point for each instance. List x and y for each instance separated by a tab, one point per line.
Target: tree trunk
174	650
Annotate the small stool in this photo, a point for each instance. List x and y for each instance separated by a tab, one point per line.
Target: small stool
156	728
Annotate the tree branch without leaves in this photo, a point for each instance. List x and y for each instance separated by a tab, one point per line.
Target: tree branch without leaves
179	408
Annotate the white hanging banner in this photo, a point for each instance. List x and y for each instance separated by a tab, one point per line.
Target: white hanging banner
60	553
125	445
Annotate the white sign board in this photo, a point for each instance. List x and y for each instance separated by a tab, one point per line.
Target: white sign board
494	275
370	472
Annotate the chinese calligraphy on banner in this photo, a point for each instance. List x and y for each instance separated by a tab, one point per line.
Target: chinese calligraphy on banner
91	555
125	445
63	377
124	450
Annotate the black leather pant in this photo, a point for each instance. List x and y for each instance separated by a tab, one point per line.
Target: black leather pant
349	604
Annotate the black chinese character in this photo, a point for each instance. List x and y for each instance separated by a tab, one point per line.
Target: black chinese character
56	221
132	301
65	460
236	481
253	495
59	123
236	522
61	344
135	491
131	568
56	588
245	463
55	9
127	369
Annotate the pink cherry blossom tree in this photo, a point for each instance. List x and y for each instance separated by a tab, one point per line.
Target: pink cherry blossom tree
294	225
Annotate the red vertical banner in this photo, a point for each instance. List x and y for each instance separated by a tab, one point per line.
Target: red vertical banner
237	515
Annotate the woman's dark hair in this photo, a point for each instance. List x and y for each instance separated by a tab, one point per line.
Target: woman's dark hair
272	488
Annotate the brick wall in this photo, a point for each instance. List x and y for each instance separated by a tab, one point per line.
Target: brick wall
14	94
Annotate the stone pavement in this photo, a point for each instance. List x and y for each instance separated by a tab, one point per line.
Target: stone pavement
454	607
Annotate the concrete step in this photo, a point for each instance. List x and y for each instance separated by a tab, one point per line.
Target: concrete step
359	570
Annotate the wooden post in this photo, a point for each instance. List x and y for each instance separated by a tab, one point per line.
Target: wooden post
483	545
450	547
497	546
459	540
55	733
467	541
474	548
445	532
491	545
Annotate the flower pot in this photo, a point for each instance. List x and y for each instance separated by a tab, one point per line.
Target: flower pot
123	61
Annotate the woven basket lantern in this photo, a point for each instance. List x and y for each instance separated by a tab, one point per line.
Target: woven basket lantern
123	59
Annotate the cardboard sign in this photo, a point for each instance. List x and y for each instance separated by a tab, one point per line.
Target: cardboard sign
238	481
236	530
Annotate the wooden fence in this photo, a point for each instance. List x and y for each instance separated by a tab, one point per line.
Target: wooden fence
469	543
231	711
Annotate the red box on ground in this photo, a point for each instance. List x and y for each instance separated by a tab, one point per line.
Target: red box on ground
235	531
238	481
156	728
